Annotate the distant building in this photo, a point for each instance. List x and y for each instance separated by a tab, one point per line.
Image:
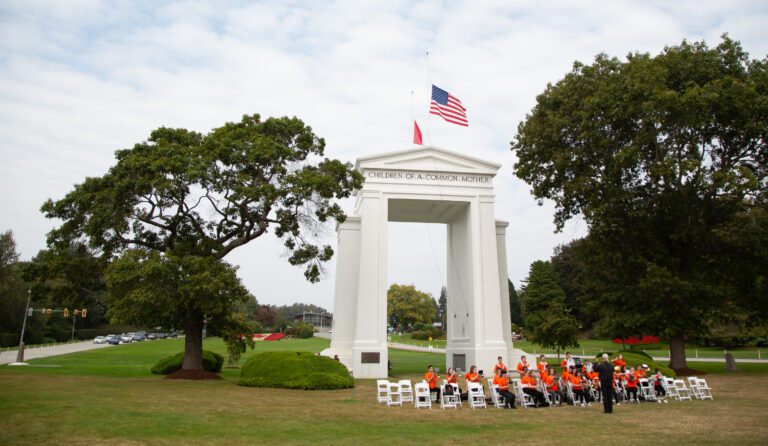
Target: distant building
321	321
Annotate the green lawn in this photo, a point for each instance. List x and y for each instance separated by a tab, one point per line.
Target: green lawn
107	396
591	347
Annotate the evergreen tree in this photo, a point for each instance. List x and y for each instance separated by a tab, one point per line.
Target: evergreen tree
516	313
442	307
547	320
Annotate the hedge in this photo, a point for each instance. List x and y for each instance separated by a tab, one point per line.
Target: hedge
634	357
295	370
212	362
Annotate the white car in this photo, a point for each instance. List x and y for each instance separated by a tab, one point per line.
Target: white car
99	340
126	338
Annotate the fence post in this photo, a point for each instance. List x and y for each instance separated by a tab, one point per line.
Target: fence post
758	354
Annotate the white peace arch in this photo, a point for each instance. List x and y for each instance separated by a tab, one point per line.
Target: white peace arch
431	185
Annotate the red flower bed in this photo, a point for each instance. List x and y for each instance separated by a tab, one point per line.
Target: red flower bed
634	340
268	336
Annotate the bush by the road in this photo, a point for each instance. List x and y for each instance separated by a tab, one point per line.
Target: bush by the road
212	362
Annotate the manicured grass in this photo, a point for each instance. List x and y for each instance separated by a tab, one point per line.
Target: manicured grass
591	347
108	396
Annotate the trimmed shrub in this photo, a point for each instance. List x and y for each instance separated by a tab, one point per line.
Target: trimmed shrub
212	362
307	331
634	352
295	370
424	335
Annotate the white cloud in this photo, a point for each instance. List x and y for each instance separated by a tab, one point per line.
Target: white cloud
79	80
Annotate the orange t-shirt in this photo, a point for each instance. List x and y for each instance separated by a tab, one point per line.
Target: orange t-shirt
619	362
502	382
640	373
551	383
453	379
472	377
563	363
431	379
499	366
542	366
544	375
593	376
576	382
528	381
566	376
631	381
522	367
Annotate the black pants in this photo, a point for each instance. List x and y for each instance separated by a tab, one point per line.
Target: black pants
507	398
606	388
579	394
632	391
538	397
660	390
436	390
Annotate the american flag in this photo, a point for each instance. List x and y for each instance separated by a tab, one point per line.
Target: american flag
448	107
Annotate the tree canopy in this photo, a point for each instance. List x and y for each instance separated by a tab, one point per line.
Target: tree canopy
406	306
662	156
183	200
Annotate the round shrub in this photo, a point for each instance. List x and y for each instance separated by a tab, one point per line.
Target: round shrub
295	370
212	362
306	332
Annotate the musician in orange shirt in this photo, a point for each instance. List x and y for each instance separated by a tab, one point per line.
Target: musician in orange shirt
502	381
499	366
531	387
523	365
431	378
472	375
577	387
550	381
451	377
631	384
542	365
619	362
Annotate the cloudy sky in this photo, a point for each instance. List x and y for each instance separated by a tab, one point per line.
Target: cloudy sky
80	79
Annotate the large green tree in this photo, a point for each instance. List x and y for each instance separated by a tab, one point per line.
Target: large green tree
515	310
13	290
547	320
406	305
182	193
660	155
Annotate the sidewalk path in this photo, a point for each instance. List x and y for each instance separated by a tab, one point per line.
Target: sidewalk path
54	350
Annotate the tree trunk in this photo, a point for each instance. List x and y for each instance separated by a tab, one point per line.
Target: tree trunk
193	342
677	359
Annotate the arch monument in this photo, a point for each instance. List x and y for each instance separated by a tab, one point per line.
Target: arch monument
430	185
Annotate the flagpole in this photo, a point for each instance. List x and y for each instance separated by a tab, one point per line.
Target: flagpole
429	89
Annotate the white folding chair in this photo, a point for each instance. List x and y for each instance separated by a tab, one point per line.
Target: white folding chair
421	396
382	390
475	395
394	399
669	387
457	392
646	389
432	395
681	390
495	397
693	384
406	390
705	392
448	401
525	399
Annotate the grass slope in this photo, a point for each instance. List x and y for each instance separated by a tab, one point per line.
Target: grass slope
108	397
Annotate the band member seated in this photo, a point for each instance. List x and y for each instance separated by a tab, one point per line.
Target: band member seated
472	377
550	379
431	378
531	387
658	385
523	365
619	361
499	366
577	387
631	385
543	366
502	381
452	377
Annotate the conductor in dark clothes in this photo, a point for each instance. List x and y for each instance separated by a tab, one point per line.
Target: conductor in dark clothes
605	373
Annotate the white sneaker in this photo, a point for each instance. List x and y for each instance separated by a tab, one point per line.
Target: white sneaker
582	404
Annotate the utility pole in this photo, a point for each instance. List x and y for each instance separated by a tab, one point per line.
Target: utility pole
20	354
74	318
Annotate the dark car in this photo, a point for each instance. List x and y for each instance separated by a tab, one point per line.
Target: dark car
113	339
173	335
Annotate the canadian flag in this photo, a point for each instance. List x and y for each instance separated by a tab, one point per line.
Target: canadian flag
417	134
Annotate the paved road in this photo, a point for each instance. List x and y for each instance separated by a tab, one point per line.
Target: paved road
54	350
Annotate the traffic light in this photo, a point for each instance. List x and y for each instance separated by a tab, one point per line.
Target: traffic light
66	312
84	312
